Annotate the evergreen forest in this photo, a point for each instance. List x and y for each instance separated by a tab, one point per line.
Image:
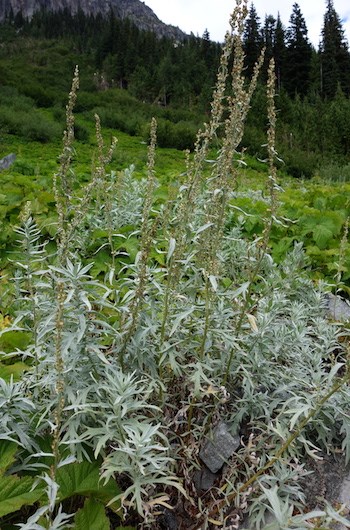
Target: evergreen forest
313	85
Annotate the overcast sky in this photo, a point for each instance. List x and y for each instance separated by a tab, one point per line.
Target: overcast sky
198	15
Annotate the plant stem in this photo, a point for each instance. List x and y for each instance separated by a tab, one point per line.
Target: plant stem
207	319
59	387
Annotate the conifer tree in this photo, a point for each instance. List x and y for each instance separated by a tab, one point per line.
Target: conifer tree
268	38
334	54
279	52
298	54
252	39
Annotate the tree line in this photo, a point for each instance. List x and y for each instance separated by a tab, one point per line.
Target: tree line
183	72
153	69
312	84
300	68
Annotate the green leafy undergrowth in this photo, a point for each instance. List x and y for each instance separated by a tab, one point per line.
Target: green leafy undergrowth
12	370
15	491
310	212
83	478
11	366
73	481
91	517
31	176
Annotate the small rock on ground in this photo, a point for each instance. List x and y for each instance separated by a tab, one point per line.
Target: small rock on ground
219	448
337	308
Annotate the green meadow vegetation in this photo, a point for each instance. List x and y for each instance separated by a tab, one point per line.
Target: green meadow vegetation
311	137
149	294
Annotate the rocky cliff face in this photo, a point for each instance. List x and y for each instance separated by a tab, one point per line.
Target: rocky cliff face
137	11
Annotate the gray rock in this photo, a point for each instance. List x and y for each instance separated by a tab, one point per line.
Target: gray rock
219	447
168	520
337	308
7	161
204	479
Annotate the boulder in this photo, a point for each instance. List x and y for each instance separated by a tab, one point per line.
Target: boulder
7	161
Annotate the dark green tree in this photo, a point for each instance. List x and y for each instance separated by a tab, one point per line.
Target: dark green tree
268	38
279	52
252	39
298	54
334	54
19	20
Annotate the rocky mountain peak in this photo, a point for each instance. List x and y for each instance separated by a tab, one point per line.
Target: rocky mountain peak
136	10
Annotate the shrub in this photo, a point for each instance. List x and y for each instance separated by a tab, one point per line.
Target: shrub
43	97
32	125
254	140
40	129
11	120
23	167
121	121
87	101
300	164
58	113
10	97
334	172
81	132
180	135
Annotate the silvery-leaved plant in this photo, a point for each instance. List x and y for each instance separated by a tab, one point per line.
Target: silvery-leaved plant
16	411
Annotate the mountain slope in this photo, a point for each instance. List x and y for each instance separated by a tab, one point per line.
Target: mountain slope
137	11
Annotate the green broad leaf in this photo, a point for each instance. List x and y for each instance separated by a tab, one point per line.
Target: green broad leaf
131	246
126	229
7	454
37	207
47	197
99	233
159	258
226	282
91	517
50	226
320	203
310	219
284	244
83	478
15	370
322	234
99	268
15	492
314	251
13	340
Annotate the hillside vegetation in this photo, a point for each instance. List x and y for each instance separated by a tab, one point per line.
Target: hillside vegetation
174	80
